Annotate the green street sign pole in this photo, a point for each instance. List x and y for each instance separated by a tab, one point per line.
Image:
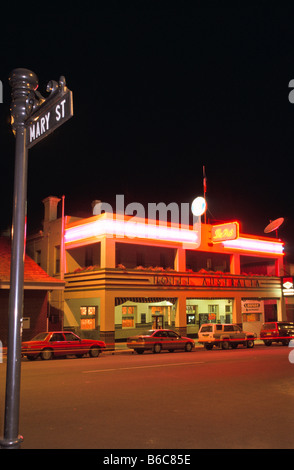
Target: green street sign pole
26	104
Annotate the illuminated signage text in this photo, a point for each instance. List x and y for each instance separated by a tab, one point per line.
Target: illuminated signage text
220	233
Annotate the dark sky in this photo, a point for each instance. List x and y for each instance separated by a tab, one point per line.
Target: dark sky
158	93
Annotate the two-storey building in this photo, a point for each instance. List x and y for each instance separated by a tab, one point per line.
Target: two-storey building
127	274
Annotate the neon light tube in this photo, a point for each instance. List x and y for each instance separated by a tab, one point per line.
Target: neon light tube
121	229
248	244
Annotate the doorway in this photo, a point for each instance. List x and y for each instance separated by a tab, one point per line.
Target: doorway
270	310
157	322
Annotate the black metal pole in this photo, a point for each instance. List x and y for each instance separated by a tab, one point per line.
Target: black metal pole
23	82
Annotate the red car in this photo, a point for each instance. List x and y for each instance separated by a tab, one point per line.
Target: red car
277	332
60	343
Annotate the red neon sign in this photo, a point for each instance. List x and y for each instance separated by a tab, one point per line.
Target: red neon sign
220	233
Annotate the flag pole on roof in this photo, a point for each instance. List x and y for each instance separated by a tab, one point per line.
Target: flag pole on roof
204	189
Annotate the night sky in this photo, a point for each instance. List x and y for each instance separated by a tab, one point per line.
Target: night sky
158	93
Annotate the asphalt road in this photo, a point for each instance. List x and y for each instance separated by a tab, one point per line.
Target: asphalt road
235	399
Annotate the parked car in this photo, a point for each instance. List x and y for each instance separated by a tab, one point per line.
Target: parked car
224	335
60	343
157	340
277	332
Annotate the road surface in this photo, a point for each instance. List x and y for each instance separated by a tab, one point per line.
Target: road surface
235	399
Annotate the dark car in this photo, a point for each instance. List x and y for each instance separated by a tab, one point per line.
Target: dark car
277	332
60	343
157	340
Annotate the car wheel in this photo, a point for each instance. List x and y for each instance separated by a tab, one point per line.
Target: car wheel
285	342
94	351
46	354
208	347
157	348
139	351
225	344
31	357
188	347
267	342
250	343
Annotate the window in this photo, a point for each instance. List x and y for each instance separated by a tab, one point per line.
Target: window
160	334
269	326
191	311
88	317
212	312
212	308
87	324
71	337
57	337
128	316
229	328
172	334
247	317
206	329
191	319
88	311
38	257
57	259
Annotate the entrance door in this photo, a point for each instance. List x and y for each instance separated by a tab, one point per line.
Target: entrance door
157	322
270	311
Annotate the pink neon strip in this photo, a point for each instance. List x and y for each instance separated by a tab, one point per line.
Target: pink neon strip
129	229
248	244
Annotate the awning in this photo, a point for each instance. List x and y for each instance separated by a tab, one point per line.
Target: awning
144	300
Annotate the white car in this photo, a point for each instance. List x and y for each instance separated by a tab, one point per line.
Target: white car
224	335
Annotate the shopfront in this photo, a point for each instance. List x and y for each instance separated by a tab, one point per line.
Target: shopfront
133	301
212	310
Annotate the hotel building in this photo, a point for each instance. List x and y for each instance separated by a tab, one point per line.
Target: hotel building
127	274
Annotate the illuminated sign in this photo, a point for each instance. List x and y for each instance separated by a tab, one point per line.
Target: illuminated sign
206	281
220	233
288	286
252	306
133	228
251	244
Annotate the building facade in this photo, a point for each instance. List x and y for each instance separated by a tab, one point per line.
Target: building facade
126	274
40	313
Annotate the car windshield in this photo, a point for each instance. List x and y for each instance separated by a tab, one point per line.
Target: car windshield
39	337
207	328
147	332
269	326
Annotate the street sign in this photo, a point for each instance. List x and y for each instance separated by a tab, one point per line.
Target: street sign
50	115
